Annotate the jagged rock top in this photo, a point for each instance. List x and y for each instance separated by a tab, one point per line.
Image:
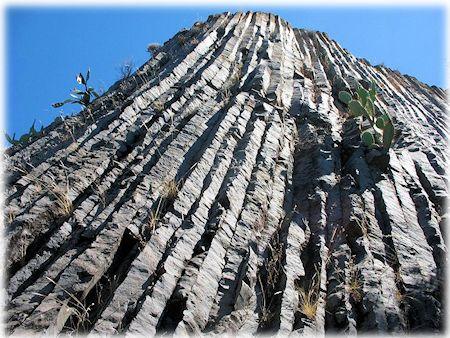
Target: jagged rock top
222	189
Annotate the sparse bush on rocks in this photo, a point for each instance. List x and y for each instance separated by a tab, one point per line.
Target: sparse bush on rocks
126	69
153	48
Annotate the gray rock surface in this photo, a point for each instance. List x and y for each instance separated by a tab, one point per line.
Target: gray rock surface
222	189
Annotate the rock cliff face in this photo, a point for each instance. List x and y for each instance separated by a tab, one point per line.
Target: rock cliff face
222	188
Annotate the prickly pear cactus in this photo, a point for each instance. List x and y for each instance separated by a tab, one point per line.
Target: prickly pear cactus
380	130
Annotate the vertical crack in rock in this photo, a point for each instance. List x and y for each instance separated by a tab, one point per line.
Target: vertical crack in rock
222	189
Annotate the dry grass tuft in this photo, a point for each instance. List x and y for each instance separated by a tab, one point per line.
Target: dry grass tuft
309	298
308	303
154	217
181	40
74	308
273	265
62	199
60	194
236	76
158	105
69	129
399	297
170	189
22	243
153	220
198	27
262	219
266	314
332	244
11	215
354	282
354	287
273	269
153	48
225	94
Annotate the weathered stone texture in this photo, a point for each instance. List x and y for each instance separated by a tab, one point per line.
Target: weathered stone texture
275	197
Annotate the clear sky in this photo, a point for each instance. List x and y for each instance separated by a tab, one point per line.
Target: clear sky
47	47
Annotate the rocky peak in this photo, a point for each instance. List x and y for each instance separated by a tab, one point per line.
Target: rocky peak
222	188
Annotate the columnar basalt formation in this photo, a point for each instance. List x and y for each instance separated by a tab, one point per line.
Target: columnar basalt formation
222	188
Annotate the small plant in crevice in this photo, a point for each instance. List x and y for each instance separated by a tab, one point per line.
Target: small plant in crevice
168	192
226	92
154	216
62	199
376	131
404	298
83	96
308	304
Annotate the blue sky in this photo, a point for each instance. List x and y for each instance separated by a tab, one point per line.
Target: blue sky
47	47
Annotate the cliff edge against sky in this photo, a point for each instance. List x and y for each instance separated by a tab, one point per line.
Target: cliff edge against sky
223	188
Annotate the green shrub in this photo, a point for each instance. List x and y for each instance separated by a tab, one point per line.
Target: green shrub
380	130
